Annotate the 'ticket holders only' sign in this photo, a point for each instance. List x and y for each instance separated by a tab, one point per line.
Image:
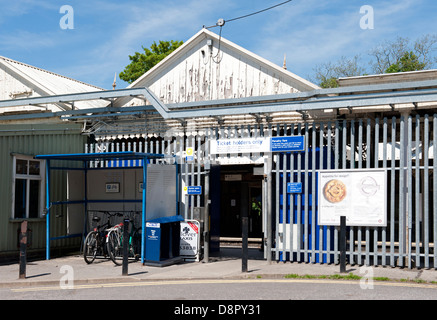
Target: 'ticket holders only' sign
257	145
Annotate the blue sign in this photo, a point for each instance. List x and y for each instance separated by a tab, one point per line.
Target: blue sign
294	187
291	143
194	190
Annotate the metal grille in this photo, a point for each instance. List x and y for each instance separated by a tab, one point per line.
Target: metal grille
404	146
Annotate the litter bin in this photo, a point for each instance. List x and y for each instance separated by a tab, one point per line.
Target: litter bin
163	241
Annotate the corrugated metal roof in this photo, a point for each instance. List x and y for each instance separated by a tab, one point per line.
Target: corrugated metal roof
45	82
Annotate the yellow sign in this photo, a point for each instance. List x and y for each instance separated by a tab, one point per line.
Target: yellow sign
189	154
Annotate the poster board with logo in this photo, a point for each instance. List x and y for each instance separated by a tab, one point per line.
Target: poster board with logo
358	194
190	240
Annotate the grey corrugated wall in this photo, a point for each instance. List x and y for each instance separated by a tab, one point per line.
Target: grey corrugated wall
33	139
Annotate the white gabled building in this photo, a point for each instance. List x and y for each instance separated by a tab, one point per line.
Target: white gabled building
208	67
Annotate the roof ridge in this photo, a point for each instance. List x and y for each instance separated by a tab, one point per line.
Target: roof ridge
49	72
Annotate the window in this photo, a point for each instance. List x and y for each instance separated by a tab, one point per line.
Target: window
27	187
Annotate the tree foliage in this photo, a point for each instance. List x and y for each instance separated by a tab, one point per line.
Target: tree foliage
143	62
399	55
408	62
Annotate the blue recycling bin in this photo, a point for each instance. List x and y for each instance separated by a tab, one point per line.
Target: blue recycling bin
163	241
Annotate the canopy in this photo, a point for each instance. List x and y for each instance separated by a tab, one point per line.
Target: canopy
85	157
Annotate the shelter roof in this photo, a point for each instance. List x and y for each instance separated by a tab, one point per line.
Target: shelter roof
125	155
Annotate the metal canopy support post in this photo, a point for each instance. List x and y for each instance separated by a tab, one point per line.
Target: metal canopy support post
206	234
268	191
47	209
143	220
85	204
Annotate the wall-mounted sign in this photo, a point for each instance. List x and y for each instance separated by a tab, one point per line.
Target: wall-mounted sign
294	187
358	194
233	177
189	154
257	145
112	187
193	190
291	143
242	145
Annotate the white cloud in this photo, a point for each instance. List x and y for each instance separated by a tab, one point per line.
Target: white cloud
26	40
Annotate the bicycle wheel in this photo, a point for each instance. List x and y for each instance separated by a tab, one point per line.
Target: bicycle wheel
90	247
114	247
135	245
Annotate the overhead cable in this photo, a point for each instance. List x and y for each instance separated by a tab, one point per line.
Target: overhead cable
221	22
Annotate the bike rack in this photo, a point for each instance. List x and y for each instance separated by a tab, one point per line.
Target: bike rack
85	158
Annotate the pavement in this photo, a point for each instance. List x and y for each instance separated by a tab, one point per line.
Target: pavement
227	265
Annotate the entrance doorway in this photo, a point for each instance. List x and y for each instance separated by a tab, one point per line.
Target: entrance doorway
233	179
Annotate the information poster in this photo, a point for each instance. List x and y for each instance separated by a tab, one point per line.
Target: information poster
358	194
189	243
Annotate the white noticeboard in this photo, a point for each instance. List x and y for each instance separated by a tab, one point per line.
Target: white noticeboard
358	194
190	239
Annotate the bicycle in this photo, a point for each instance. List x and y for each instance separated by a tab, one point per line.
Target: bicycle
114	242
95	241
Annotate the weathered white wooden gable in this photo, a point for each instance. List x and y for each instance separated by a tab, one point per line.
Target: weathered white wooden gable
209	67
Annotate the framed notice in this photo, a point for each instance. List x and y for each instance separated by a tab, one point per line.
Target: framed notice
358	194
112	187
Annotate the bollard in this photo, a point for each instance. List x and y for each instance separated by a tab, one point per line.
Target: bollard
342	244
244	225
23	249
125	247
245	233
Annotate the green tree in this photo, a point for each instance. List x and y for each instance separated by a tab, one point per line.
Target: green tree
143	62
408	62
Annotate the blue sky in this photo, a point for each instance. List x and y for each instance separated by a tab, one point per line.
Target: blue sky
106	32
